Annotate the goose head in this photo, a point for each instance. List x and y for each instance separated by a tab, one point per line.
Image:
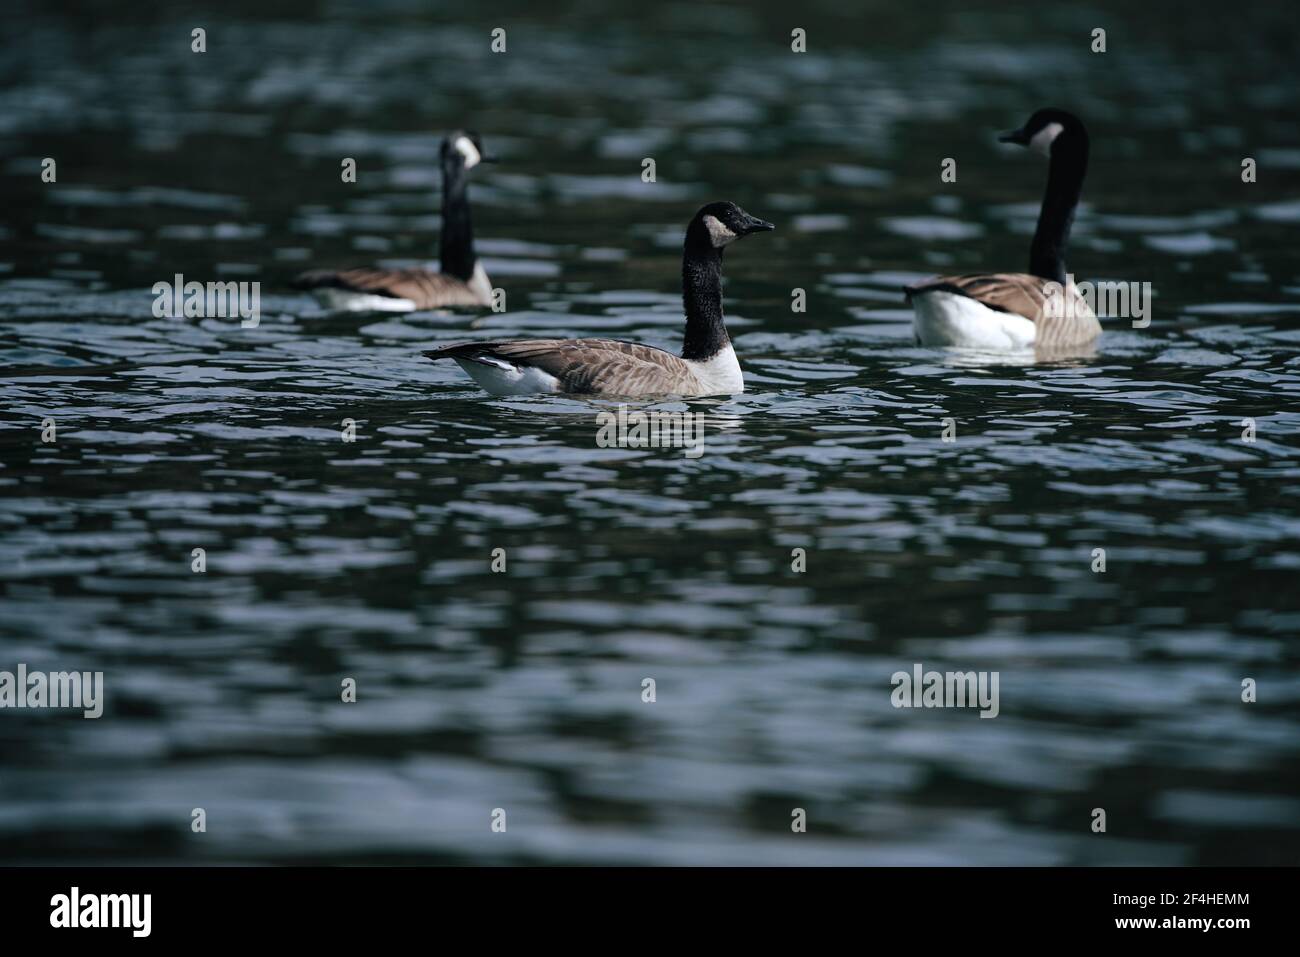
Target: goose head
462	150
1044	129
718	224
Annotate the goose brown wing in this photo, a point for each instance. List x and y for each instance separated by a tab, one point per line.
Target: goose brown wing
424	288
1013	292
587	366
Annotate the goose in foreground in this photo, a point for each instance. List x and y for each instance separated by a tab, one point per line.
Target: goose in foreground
461	282
707	365
1021	310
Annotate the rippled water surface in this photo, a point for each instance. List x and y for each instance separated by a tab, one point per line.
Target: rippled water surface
522	689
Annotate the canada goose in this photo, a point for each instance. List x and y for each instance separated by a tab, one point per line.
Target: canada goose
1021	310
462	281
707	365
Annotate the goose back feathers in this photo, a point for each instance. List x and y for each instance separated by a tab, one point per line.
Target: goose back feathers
591	367
406	289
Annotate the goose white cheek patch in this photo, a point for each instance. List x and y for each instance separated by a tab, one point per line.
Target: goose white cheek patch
469	151
718	233
1041	142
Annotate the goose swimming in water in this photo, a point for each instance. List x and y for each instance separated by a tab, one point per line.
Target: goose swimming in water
707	365
1021	310
461	281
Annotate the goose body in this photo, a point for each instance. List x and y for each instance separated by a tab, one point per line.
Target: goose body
1040	309
1001	311
461	280
395	290
592	367
707	365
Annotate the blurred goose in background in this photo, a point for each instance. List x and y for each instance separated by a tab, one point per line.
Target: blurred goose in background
707	365
1014	310
461	281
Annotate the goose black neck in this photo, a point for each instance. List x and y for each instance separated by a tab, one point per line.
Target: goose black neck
1064	184
706	334
456	246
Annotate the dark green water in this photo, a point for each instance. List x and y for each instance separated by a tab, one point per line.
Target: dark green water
522	689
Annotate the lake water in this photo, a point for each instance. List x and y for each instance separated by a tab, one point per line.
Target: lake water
521	689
